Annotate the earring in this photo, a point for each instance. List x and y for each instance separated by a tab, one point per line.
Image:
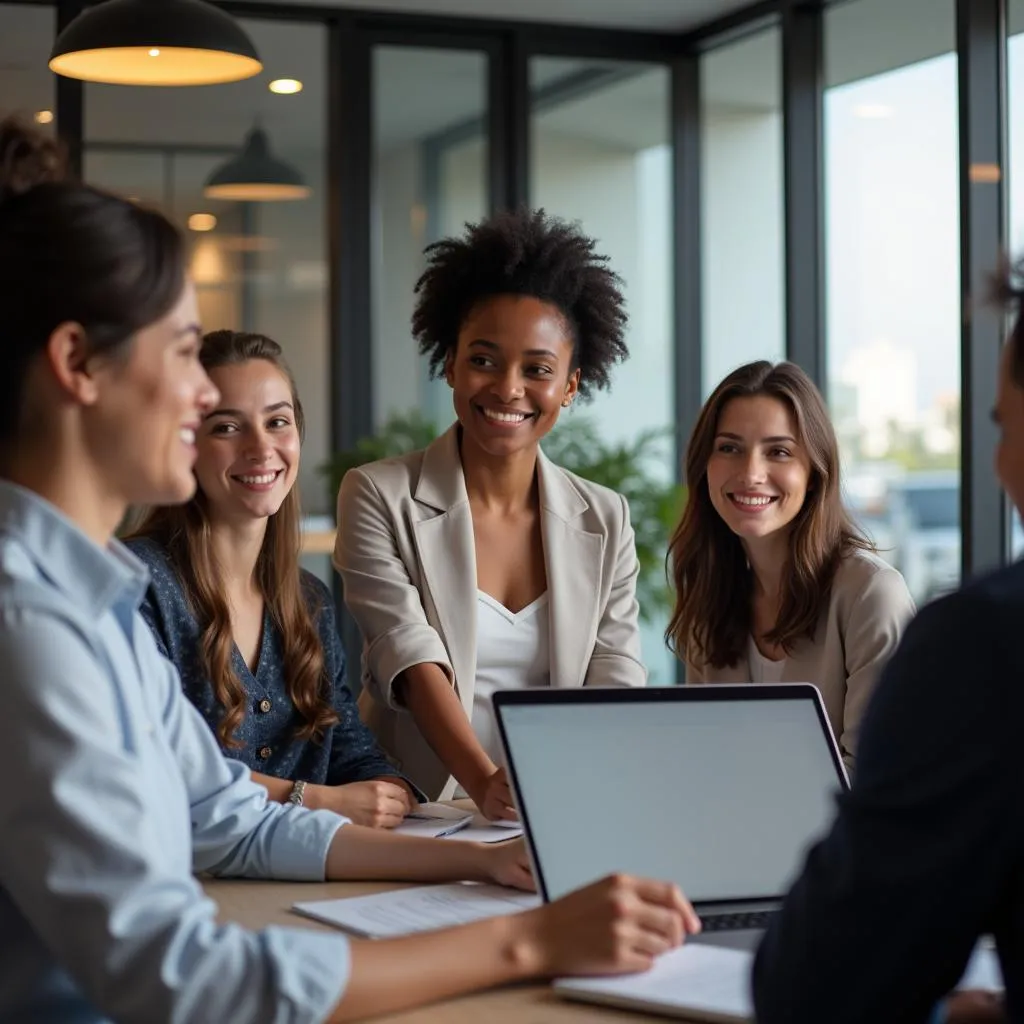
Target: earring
566	402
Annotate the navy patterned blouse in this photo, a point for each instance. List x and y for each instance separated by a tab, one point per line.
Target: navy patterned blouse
348	753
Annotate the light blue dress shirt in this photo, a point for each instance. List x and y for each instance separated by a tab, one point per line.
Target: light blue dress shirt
115	793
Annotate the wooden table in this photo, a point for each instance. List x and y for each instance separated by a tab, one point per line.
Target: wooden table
257	904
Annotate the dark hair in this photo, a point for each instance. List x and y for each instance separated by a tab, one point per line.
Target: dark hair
713	613
524	252
1008	292
184	532
70	253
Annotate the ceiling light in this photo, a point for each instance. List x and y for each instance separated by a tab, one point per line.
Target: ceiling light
285	86
155	42
256	175
872	111
202	222
44	116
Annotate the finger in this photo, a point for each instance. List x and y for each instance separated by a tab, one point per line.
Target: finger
651	943
667	894
664	922
392	808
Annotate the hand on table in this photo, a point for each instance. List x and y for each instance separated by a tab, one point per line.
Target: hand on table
376	803
508	864
614	926
493	797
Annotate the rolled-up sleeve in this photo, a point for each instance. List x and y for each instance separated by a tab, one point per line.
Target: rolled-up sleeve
101	869
381	597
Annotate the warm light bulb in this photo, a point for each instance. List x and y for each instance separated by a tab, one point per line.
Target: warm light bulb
44	116
154	52
202	222
285	86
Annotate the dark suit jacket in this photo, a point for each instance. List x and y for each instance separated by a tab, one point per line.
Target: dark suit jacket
927	851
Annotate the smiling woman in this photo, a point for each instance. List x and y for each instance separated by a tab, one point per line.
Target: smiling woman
252	635
464	562
773	581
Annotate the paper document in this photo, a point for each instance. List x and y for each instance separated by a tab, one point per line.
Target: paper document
708	983
387	915
480	830
434	820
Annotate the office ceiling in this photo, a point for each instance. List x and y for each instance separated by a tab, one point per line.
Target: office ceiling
639	15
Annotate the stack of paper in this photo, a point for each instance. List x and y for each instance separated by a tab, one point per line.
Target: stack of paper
434	820
388	915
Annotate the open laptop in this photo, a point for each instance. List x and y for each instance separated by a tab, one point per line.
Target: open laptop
719	788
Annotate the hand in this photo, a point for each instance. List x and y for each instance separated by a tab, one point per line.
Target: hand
508	864
614	926
493	797
377	803
974	1007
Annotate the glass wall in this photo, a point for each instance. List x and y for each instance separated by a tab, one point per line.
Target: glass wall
26	84
429	179
893	286
258	266
600	155
742	264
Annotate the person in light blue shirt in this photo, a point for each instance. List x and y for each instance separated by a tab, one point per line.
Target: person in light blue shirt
117	791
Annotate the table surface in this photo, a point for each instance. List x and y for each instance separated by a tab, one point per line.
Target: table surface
257	904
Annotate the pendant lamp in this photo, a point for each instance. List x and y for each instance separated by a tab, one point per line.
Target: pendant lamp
256	175
155	42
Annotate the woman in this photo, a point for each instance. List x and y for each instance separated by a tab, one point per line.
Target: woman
462	563
253	636
121	791
773	581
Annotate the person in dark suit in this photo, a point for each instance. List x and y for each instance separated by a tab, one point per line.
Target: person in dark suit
926	853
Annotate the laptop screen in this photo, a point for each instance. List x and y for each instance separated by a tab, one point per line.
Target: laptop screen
721	795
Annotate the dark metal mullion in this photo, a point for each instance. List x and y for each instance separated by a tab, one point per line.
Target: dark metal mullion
981	47
803	177
69	96
687	316
349	206
508	113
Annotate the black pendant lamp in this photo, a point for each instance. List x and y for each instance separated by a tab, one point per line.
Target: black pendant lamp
256	175
155	42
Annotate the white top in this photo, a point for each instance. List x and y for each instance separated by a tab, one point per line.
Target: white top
512	652
762	669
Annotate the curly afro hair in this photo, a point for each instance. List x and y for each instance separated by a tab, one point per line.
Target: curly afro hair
525	252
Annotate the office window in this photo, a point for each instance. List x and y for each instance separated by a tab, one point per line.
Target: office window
893	286
26	83
259	266
429	179
601	155
742	205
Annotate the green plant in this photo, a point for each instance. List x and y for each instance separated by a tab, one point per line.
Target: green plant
575	444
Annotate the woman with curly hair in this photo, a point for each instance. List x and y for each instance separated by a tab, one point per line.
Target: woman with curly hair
773	581
475	564
252	634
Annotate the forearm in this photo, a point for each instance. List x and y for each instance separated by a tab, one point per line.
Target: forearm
393	975
357	853
438	712
277	789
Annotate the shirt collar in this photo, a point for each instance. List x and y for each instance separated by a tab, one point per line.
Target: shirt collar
92	577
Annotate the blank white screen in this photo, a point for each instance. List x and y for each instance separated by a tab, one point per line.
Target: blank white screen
721	797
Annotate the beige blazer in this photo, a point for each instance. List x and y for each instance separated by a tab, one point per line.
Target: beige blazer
868	609
405	551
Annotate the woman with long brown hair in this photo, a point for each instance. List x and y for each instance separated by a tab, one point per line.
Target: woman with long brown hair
773	581
253	635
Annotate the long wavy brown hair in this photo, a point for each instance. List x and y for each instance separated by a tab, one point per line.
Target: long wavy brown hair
184	532
713	614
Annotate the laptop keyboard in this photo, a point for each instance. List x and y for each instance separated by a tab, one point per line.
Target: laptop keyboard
734	922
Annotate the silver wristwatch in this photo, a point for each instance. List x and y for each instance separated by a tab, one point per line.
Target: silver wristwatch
298	793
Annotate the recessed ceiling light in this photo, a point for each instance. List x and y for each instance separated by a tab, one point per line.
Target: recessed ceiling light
285	86
44	116
154	52
202	222
873	111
